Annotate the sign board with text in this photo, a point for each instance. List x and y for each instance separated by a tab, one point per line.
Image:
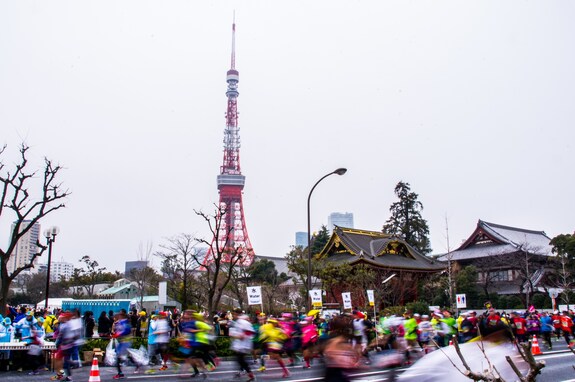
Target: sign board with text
315	295
461	300
255	295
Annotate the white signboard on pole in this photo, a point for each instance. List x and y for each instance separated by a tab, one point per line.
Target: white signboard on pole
163	293
346	297
461	300
370	297
255	295
315	295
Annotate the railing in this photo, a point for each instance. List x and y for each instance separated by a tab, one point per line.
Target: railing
24	346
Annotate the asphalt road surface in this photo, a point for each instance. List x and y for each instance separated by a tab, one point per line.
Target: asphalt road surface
559	367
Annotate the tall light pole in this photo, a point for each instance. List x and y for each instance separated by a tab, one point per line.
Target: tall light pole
339	171
50	235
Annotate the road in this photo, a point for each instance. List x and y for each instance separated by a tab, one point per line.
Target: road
558	368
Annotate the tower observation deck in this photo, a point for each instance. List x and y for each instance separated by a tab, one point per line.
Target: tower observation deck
231	239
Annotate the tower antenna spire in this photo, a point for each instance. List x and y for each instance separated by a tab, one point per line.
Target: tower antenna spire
234	42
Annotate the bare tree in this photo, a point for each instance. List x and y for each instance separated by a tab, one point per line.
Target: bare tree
222	258
16	199
144	278
180	259
237	286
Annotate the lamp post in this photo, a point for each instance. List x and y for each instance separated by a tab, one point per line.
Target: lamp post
383	286
50	235
339	171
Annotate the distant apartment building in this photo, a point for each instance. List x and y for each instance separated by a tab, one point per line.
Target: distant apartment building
131	265
301	239
340	219
26	247
58	270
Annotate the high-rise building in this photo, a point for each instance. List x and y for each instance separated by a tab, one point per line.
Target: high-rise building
340	219
26	247
301	239
58	270
232	235
134	265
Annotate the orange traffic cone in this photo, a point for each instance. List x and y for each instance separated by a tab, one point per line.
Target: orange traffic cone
95	371
535	350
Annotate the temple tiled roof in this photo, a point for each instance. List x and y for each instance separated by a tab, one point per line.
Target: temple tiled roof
490	239
348	245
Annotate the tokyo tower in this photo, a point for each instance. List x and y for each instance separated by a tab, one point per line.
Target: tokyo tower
231	238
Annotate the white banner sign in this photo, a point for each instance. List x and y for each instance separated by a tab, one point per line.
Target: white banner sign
346	297
315	295
162	292
370	297
461	300
255	295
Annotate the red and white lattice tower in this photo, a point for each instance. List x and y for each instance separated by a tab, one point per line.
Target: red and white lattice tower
232	237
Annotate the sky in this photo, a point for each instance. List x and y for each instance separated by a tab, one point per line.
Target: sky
471	103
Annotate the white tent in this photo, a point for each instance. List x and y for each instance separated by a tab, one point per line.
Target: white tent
52	303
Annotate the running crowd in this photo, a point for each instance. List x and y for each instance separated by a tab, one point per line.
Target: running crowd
342	342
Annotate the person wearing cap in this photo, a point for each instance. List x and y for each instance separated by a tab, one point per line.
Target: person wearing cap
122	334
257	348
359	328
152	347
241	331
472	317
142	324
66	337
273	337
309	338
187	329
438	328
24	326
556	317
451	326
518	325
425	333
160	330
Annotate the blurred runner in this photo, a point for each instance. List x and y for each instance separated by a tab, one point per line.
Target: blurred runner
241	332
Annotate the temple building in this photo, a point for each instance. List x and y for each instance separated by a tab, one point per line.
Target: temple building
399	268
509	260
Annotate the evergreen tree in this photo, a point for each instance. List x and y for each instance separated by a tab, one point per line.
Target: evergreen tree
406	220
319	240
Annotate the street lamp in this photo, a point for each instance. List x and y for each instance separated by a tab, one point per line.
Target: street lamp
383	286
50	235
339	171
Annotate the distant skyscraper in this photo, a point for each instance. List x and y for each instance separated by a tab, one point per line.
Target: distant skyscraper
58	270
134	265
340	219
26	247
301	239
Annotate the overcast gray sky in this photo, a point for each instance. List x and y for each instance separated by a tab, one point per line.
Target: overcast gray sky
472	103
